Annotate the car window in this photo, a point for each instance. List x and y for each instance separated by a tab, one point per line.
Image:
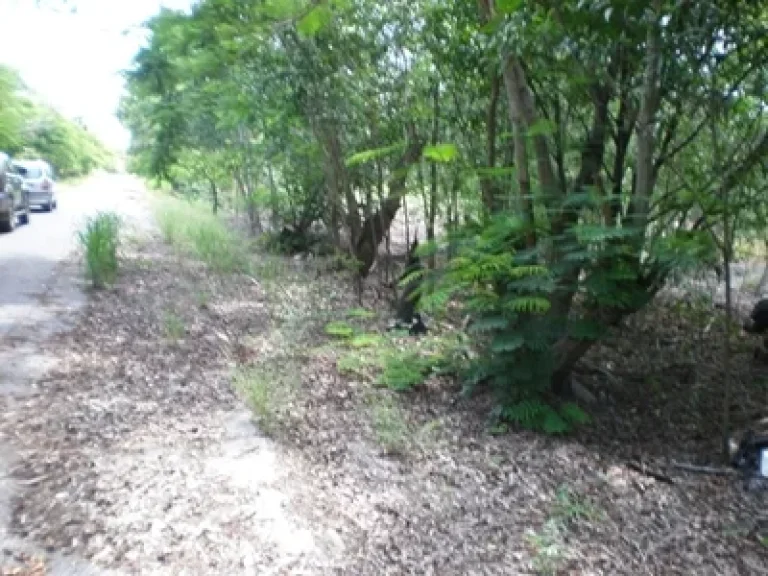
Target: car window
30	172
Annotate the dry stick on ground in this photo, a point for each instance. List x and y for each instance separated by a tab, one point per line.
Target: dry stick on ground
715	470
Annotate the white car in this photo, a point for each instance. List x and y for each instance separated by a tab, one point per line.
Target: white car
38	182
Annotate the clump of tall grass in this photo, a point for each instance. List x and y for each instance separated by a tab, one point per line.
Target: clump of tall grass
193	228
100	240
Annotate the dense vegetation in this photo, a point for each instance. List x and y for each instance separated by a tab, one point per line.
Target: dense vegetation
31	129
571	157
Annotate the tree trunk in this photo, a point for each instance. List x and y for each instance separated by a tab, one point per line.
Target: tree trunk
215	197
273	199
488	185
432	205
375	226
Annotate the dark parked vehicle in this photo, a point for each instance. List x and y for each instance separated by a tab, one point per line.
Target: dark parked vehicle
14	201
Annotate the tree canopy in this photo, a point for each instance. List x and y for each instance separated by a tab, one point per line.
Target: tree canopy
31	129
571	156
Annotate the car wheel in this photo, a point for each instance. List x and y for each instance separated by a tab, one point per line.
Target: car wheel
9	224
24	217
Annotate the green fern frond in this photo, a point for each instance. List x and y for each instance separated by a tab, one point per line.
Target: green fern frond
573	414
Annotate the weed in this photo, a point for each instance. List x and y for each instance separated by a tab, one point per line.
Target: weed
361	313
356	363
403	371
100	239
389	425
339	329
269	389
173	326
193	228
203	298
548	544
548	548
366	340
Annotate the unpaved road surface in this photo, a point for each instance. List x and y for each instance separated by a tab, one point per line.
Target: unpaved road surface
122	451
41	292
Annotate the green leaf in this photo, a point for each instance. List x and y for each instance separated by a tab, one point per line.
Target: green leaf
366	340
573	413
339	329
441	152
554	423
373	154
315	20
508	6
542	127
507	343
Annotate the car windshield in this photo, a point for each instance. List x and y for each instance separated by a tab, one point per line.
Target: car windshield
29	171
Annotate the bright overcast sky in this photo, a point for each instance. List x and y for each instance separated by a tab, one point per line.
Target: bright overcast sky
74	60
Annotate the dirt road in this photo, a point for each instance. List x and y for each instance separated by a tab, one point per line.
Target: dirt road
40	294
118	448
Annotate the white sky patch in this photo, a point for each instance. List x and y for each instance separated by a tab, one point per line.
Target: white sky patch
73	58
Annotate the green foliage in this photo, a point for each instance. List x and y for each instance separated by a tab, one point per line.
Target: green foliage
404	370
389	424
306	110
537	415
339	329
441	152
366	340
361	313
31	129
269	389
100	240
173	326
192	228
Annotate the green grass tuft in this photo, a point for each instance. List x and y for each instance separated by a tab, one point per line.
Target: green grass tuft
100	239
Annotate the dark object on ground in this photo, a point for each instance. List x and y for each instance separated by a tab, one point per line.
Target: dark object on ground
758	319
409	299
748	453
418	327
758	324
415	328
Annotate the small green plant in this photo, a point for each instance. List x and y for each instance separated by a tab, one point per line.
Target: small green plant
536	415
549	544
358	363
404	370
361	313
100	239
366	340
173	326
269	389
389	425
571	506
203	298
548	548
339	329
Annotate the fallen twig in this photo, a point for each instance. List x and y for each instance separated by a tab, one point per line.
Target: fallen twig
643	469
715	470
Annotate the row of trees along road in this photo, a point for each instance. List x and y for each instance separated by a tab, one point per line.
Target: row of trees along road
577	154
29	128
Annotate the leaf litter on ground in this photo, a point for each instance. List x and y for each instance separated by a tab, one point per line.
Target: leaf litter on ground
142	455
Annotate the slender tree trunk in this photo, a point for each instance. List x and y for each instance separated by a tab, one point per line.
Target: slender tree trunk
273	199
215	196
431	212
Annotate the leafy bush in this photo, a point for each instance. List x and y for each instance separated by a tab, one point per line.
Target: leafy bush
100	239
